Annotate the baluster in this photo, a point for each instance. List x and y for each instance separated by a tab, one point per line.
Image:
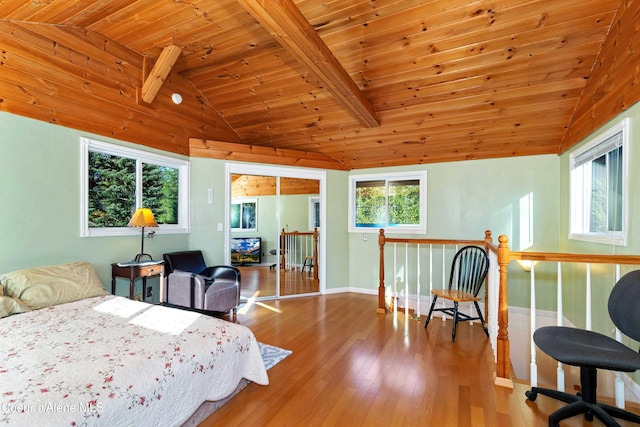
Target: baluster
395	279
588	299
559	321
406	280
417	314
430	272
533	367
492	301
444	281
619	382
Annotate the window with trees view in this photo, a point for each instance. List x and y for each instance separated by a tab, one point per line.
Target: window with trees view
395	202
598	188
117	180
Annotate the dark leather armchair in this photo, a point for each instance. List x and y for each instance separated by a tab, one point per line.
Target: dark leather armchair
191	283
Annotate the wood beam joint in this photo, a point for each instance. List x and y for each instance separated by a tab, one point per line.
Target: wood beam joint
159	73
288	25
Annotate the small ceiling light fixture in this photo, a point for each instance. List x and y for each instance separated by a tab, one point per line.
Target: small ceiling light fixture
176	98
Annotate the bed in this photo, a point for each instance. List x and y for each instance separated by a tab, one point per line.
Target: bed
107	360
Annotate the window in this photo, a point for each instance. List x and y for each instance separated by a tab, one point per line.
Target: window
244	215
598	188
396	202
314	212
526	221
116	180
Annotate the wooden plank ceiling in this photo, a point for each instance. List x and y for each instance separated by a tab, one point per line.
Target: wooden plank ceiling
254	186
338	84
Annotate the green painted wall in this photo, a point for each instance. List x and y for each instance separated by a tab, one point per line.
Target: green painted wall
465	199
40	203
39	166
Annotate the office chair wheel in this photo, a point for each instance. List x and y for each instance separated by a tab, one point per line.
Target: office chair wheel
531	395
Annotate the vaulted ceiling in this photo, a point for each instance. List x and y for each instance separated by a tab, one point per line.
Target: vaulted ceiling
340	84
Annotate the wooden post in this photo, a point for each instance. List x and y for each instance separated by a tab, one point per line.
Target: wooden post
382	307
503	364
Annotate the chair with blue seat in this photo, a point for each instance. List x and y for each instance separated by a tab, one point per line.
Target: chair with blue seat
591	351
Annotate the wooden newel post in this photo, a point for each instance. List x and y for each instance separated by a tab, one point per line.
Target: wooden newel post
487	236
382	307
504	350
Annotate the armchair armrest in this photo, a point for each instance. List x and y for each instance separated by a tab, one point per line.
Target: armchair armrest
186	289
226	272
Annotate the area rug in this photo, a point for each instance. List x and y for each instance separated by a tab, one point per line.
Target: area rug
272	355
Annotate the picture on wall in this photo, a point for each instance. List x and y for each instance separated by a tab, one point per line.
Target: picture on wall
244	215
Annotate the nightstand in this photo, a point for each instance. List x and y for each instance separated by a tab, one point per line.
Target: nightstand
133	270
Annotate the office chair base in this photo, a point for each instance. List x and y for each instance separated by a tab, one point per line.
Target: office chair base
577	405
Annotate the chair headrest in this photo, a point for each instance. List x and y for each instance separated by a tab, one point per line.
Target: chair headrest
191	261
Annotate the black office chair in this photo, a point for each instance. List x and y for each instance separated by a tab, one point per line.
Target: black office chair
592	351
468	271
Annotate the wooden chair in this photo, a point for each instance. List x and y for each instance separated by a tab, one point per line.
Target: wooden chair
468	272
308	263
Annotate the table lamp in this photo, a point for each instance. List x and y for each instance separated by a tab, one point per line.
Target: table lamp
143	217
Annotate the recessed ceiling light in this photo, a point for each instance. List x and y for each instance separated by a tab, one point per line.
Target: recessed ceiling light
176	98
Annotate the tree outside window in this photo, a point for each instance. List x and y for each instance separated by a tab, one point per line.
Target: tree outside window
117	180
598	188
395	202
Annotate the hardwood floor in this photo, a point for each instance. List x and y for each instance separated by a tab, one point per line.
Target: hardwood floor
262	279
353	367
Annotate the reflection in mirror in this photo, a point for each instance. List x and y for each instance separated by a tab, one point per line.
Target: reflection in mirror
254	210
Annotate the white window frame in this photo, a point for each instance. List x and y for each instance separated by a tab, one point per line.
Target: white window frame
579	205
314	205
184	176
242	201
421	176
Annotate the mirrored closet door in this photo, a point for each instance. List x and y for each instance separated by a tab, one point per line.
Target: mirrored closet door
275	234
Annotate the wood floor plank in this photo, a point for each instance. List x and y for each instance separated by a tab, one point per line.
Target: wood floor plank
351	366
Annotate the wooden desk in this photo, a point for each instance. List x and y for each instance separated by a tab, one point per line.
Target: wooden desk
134	271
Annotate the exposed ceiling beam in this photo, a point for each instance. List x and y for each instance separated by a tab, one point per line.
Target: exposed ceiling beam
287	24
257	154
160	72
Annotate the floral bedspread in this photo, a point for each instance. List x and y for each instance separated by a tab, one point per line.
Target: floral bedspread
111	361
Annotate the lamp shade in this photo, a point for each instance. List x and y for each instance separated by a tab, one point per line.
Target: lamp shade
143	217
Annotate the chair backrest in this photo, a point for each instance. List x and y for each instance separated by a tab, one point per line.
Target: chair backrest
189	261
469	269
623	304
